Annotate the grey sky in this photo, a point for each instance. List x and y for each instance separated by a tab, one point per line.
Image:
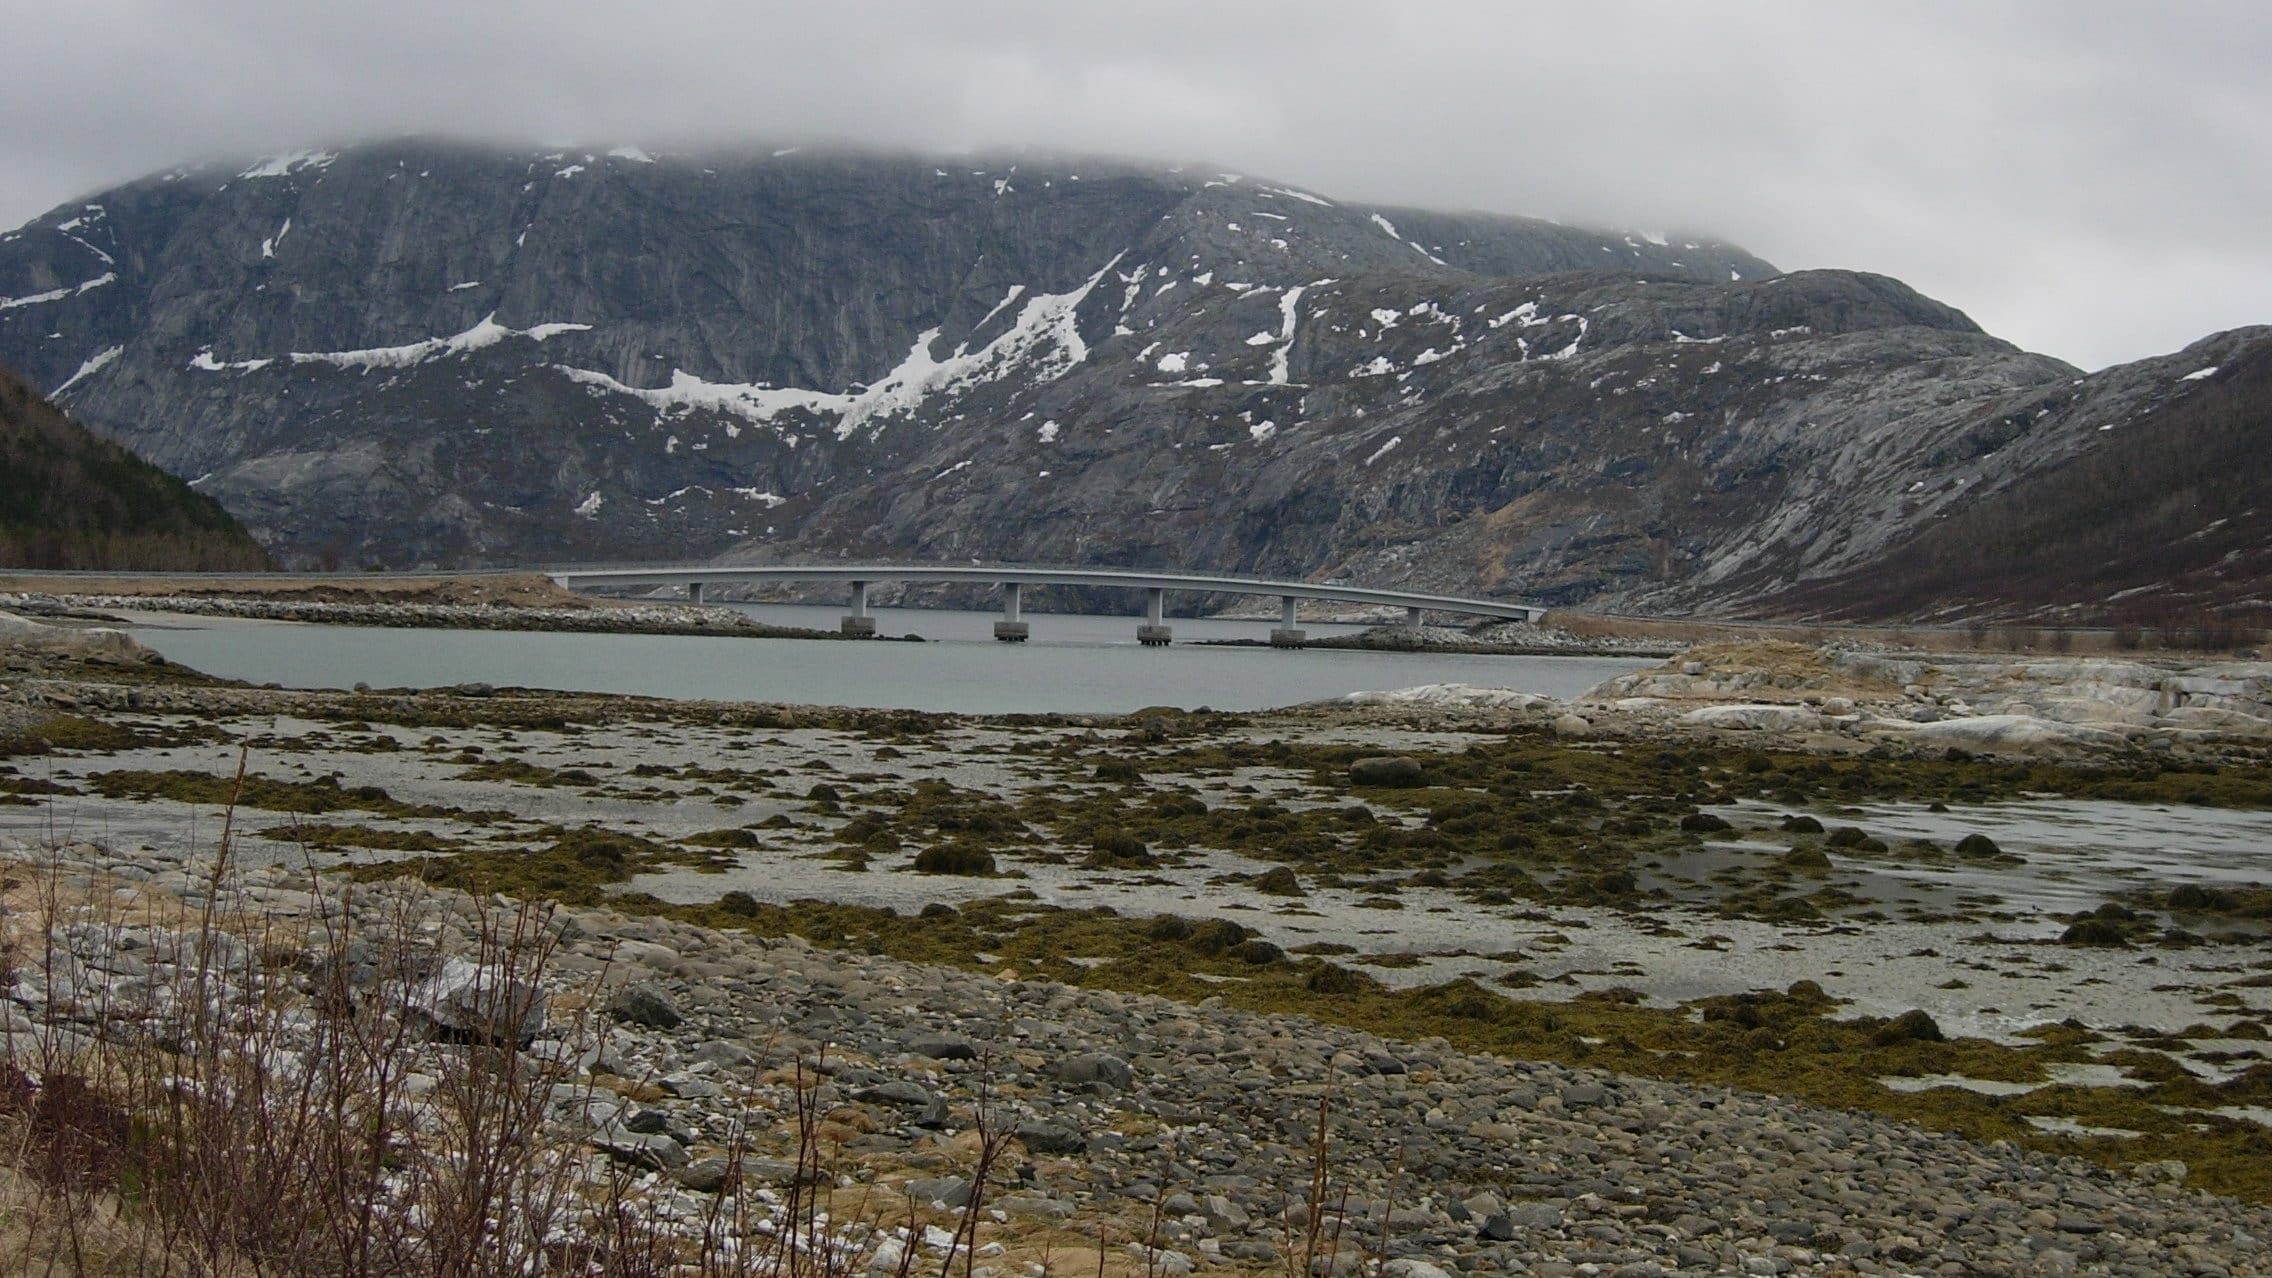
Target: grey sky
2086	178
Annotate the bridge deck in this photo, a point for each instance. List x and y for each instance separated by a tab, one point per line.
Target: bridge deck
1004	574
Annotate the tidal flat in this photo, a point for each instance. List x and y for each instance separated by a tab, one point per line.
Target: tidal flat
2068	953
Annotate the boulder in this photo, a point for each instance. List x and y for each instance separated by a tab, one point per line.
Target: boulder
1096	1067
78	641
649	1151
943	1047
474	1003
646	1004
1394	771
1050	1138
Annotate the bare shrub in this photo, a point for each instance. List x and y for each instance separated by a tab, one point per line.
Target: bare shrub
347	1095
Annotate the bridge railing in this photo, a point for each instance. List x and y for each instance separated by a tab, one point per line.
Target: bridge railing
1155	582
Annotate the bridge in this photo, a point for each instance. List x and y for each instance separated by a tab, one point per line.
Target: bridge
1012	579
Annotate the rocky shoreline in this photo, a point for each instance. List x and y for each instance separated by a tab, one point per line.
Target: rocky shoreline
1186	1134
1503	639
630	619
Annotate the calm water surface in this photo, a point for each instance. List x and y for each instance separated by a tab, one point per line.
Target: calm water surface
1076	664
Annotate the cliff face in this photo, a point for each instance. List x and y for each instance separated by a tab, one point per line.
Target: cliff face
419	353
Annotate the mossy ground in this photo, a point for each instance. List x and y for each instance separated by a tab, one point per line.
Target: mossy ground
324	794
1792	1043
574	866
85	735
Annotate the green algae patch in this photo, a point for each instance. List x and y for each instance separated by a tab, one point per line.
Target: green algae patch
576	866
1530	816
520	772
82	735
728	838
965	859
67	732
17	785
322	795
328	837
1793	1043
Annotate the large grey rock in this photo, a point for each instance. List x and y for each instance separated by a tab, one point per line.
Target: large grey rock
923	1107
479	1003
1050	1138
1535	1215
948	1191
646	1004
944	1047
78	641
1096	1067
1386	770
652	1151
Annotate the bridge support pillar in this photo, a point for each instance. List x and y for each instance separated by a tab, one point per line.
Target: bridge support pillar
1412	617
1154	633
694	593
1287	635
857	624
1011	629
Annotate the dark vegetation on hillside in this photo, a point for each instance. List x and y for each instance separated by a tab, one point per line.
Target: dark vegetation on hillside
70	500
2156	528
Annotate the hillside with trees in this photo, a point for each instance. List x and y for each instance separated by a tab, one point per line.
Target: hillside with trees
71	500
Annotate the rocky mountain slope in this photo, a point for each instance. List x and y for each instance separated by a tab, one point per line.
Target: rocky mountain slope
2162	523
71	500
420	353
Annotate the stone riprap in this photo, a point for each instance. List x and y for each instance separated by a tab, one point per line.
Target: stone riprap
655	619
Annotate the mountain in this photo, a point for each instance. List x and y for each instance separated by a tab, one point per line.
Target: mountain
421	352
2161	524
70	500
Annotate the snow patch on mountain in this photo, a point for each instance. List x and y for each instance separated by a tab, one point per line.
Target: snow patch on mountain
292	162
1044	341
1007	298
1398	236
485	334
1279	357
686	392
57	294
204	361
94	365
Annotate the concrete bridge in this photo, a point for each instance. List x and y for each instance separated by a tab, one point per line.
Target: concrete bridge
1012	579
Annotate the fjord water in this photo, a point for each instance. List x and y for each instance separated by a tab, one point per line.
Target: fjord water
1073	664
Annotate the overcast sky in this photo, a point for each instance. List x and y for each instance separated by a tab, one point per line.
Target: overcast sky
2089	179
